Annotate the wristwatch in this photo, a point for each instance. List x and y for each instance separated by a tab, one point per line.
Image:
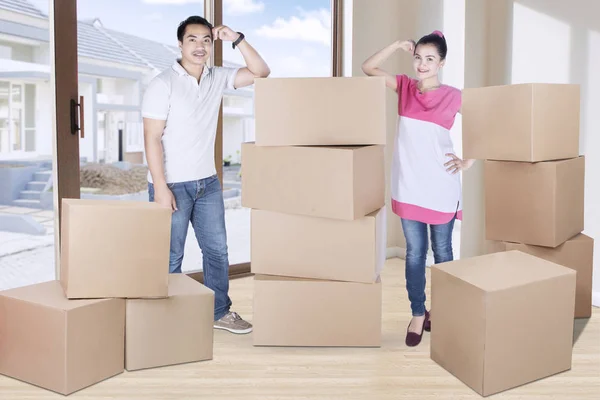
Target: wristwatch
238	40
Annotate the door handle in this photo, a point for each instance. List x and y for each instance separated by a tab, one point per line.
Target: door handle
77	121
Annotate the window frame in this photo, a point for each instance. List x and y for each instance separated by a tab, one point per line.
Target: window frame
64	83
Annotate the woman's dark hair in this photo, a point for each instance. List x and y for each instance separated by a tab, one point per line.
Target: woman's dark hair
437	39
193	20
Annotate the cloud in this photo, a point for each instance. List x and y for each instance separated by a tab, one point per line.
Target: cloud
173	1
241	7
310	26
307	60
153	17
294	66
231	7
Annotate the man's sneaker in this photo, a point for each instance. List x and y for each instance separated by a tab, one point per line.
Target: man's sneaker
233	323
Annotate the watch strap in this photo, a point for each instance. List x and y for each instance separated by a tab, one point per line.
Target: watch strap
238	41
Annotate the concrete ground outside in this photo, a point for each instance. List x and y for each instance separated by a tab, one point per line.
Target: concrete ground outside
27	259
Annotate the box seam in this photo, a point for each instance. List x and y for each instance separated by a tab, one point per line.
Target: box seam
66	351
531	118
353	160
554	201
485	328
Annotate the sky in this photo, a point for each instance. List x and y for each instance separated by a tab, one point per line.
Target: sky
293	36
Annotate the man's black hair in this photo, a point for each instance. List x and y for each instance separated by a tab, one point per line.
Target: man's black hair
193	20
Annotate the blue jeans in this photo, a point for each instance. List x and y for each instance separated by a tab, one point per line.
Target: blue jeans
416	257
201	203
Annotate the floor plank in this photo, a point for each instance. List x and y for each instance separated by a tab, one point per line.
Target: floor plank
241	371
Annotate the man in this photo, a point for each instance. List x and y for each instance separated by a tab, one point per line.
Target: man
180	110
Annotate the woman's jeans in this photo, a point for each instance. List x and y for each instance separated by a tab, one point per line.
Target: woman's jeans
416	256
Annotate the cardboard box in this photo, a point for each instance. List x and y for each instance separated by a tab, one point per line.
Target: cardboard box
319	248
320	111
175	330
522	122
304	312
58	344
576	253
331	182
115	249
502	320
534	203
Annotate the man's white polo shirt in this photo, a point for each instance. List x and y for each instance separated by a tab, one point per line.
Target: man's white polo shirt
191	111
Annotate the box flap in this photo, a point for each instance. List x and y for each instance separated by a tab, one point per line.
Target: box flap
111	203
503	270
181	285
47	294
275	278
582	238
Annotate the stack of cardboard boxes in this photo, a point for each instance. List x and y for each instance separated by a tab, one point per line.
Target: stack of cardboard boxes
315	182
528	136
115	307
506	318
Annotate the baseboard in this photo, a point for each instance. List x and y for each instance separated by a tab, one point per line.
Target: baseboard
393	252
596	299
235	271
402	255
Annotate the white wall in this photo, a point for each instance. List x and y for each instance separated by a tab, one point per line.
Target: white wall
130	91
453	72
590	145
539	41
475	75
430	17
19	52
369	30
41	54
569	53
233	136
118	91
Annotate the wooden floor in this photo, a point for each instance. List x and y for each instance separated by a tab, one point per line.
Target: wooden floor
241	371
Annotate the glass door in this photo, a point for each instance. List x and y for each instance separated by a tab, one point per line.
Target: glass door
29	100
295	39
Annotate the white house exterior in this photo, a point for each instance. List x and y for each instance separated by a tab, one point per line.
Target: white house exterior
114	69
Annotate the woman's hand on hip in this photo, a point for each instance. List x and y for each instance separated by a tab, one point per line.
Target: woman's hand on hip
455	164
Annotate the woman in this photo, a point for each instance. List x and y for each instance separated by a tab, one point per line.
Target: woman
426	189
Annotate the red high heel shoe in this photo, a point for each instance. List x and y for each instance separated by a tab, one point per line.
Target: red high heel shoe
427	324
412	338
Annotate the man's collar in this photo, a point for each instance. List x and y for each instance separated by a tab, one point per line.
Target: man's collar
182	72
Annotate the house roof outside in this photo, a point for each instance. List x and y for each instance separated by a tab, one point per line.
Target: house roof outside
93	42
98	43
23	7
159	55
